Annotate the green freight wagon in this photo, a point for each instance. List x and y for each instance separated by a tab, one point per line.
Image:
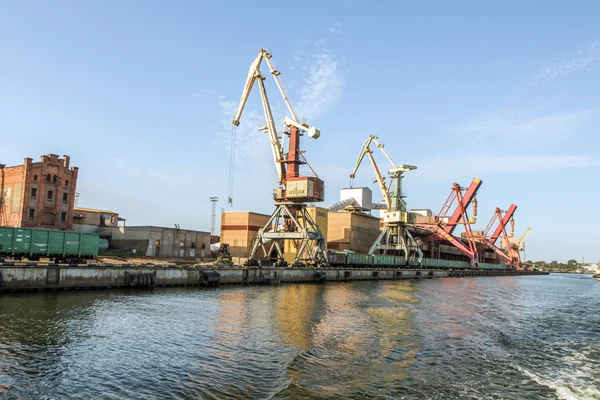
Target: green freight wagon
399	261
493	266
383	260
359	260
32	243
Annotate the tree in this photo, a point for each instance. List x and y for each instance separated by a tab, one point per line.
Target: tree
572	262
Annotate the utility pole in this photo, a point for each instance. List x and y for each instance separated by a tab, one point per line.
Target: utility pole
213	215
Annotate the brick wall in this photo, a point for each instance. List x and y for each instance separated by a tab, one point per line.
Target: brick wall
39	195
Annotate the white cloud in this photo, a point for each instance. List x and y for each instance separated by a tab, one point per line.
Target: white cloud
337	28
202	93
585	60
323	86
511	125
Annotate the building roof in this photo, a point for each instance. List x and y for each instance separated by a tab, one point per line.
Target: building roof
94	210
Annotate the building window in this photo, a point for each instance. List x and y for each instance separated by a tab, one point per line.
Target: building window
31	213
33	193
63	217
50	195
35	178
65	197
67	182
54	179
48	178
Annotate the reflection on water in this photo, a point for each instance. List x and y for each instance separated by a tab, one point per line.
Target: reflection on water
446	338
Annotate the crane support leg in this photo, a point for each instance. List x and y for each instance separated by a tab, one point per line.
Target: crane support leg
392	237
291	222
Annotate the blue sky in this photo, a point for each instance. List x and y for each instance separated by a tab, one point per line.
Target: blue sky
141	93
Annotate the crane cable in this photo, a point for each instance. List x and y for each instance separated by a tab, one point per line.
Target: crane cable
231	165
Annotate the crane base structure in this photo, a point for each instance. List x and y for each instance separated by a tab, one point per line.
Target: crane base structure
290	222
395	237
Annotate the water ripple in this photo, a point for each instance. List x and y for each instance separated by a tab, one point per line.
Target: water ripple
487	338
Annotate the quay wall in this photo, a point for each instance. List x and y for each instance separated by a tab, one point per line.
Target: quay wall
22	277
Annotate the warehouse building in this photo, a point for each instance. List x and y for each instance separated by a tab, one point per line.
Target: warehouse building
353	231
38	195
156	241
89	220
238	229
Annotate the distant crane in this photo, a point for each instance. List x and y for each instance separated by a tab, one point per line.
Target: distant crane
213	214
394	236
502	218
290	221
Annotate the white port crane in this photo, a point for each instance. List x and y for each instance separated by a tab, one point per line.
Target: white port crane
290	221
395	235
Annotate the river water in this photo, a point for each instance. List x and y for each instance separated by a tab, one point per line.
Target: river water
532	337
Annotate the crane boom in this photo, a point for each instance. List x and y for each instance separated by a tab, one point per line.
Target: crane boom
501	226
276	74
520	246
256	75
381	146
466	201
393	200
366	150
382	186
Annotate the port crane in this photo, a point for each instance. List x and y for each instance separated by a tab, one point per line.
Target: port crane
290	221
502	218
444	224
395	236
521	244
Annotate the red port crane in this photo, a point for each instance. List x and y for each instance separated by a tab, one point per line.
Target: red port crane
446	222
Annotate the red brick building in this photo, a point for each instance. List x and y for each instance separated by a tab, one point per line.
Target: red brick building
38	195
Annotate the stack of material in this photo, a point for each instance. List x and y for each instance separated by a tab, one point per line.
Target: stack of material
351	231
425	219
238	229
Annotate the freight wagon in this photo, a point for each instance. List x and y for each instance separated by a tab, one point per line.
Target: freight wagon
435	263
62	246
358	260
